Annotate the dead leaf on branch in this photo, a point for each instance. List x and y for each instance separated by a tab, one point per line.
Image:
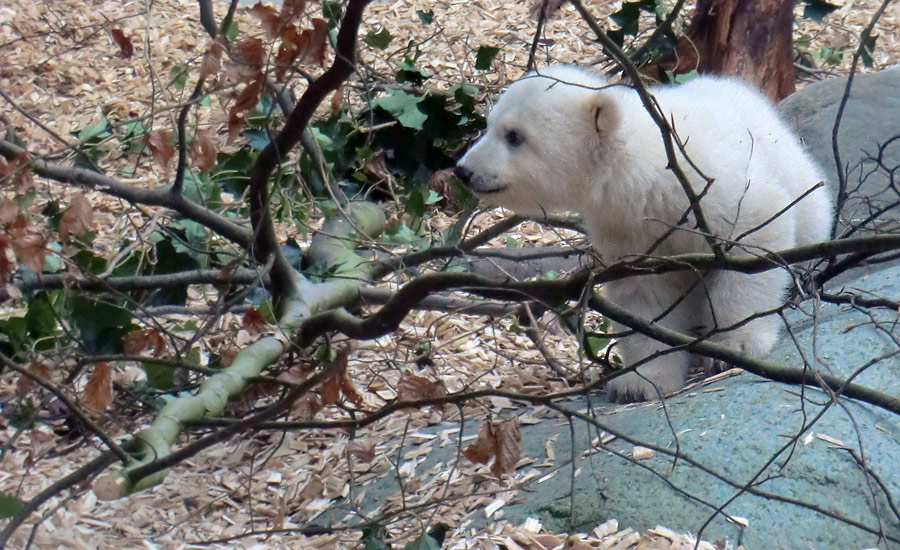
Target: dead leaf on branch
255	322
415	388
249	54
139	341
509	447
203	152
484	447
18	172
98	392
269	19
502	441
315	49
7	260
212	60
246	100
9	211
291	10
160	148
126	48
29	244
307	406
77	219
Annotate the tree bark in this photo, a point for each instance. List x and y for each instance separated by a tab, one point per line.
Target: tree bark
747	38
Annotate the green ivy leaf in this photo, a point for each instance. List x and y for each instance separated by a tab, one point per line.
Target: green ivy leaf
231	33
627	17
159	376
10	505
179	76
404	107
868	48
425	17
485	55
595	342
379	39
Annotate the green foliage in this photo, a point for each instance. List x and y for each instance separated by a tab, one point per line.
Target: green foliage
425	17
10	505
628	18
179	75
379	39
485	55
818	9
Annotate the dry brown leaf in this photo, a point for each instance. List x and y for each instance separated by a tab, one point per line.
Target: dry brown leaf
255	322
160	148
246	100
25	383
268	18
249	54
292	43
485	445
307	406
9	211
203	152
414	388
362	449
291	10
98	392
212	60
77	219
7	260
509	447
316	46
29	244
337	99
126	48
138	341
18	172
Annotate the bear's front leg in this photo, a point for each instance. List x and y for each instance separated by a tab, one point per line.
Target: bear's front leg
652	380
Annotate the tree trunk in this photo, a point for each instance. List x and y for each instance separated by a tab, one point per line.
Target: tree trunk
747	38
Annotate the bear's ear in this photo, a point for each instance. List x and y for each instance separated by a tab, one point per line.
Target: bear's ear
604	112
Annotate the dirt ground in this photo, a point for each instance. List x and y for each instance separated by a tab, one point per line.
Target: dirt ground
60	71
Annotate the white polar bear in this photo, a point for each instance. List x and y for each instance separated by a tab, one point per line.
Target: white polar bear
564	139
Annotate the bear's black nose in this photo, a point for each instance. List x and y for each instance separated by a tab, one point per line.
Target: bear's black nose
463	173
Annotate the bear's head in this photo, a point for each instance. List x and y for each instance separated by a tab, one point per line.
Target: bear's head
543	139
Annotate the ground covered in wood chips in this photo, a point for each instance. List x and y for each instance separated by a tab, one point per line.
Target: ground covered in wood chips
61	71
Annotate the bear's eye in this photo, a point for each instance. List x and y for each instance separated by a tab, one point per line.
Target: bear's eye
514	138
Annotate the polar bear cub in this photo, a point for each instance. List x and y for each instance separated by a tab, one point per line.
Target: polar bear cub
564	139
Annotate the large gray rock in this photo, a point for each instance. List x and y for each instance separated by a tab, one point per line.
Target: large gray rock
871	118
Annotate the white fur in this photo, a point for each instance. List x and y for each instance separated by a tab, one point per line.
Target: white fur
592	148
